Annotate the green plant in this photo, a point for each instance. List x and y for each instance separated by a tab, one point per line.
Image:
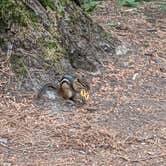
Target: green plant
163	6
128	3
114	25
16	12
50	44
131	3
90	5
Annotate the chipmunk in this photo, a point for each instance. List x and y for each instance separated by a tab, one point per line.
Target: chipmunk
68	87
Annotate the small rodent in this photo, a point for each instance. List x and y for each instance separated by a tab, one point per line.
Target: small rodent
68	87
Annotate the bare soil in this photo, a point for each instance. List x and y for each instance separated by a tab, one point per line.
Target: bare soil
123	123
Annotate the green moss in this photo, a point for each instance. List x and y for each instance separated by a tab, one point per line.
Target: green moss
32	16
89	6
52	52
48	3
3	43
64	2
50	44
18	65
15	12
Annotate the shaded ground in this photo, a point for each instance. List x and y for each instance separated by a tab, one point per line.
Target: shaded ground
124	123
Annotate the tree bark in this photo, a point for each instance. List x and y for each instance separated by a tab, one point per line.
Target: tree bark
85	41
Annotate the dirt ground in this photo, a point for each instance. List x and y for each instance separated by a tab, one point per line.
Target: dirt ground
123	123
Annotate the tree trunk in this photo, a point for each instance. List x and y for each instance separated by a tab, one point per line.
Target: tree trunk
62	27
85	41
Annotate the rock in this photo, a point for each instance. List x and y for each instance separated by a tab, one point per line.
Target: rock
121	50
135	76
4	140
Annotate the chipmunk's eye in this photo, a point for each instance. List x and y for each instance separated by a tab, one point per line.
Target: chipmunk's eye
84	94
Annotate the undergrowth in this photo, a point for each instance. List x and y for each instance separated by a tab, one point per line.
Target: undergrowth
163	6
12	11
18	65
131	3
90	5
48	3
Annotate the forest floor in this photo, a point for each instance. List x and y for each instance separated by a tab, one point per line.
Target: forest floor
123	123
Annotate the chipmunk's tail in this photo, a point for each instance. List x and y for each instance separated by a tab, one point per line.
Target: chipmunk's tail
44	88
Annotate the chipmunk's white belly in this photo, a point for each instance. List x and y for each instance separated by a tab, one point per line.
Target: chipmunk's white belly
67	90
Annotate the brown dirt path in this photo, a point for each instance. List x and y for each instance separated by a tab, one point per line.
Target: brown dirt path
124	122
